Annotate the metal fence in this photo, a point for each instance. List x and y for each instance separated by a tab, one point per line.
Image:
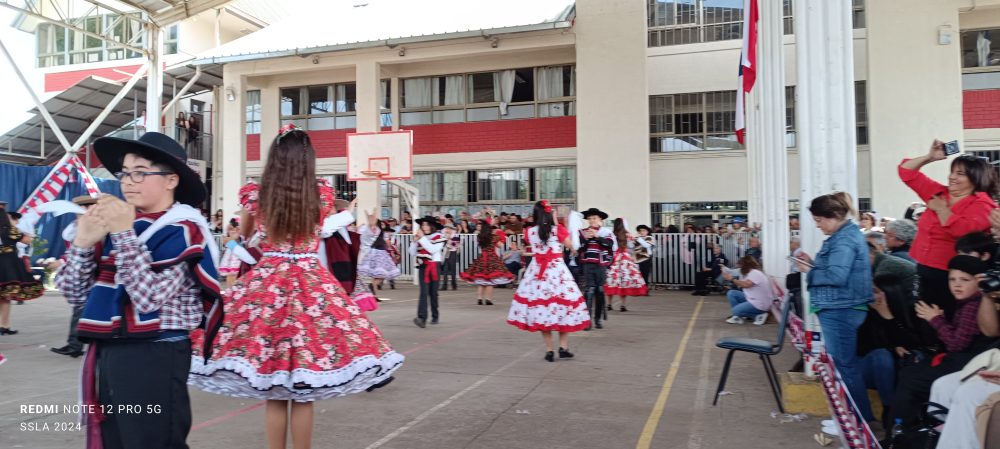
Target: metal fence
676	257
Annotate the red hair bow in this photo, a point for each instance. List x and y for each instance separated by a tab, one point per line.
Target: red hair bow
546	206
287	129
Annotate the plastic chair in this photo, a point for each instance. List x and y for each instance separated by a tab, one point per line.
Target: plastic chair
763	348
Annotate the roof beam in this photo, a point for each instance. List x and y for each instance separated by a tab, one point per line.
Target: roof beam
71	26
184	10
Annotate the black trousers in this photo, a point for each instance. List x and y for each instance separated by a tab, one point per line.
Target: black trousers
73	341
144	384
594	276
428	291
913	387
449	268
646	267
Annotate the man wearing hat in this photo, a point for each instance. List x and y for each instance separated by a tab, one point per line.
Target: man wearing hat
449	266
644	252
428	246
74	347
597	246
144	271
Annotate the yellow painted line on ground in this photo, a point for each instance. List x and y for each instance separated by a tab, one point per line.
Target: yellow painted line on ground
646	438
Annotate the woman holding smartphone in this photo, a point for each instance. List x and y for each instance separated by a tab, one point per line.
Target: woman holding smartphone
953	210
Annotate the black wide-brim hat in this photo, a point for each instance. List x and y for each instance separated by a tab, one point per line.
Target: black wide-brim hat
432	221
595	211
641	227
160	149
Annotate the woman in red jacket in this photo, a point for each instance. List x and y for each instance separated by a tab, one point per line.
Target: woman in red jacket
953	210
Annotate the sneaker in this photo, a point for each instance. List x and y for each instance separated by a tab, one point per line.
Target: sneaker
420	323
760	319
623	309
828	423
735	320
832	430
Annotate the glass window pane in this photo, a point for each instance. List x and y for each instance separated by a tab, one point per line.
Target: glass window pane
720	111
454	186
449	116
556	183
347	122
252	107
722	142
688	114
661	110
484	87
347	97
319	123
676	144
448	90
981	48
291	101
93	25
524	85
556	82
417	93
518	112
414	118
723	11
319	100
499	185
488	113
558	109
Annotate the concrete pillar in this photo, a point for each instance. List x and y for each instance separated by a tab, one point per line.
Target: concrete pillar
270	122
233	154
368	92
907	112
825	111
154	77
612	113
766	138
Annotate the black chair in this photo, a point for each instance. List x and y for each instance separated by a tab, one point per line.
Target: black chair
764	349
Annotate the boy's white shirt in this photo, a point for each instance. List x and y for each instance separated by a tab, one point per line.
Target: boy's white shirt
433	248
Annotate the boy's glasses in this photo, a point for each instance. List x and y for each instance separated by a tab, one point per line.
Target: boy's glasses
139	176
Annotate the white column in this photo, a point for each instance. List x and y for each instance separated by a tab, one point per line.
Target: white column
766	152
233	154
270	122
825	111
368	94
154	77
612	131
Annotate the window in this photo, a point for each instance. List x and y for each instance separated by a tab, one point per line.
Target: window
441	187
315	108
57	45
693	122
500	95
170	41
678	22
556	183
861	111
502	185
253	112
978	51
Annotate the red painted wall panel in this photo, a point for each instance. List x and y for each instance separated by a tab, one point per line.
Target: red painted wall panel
64	80
981	109
253	147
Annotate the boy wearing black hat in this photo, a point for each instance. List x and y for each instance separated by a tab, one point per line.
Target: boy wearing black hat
428	245
144	271
644	252
597	245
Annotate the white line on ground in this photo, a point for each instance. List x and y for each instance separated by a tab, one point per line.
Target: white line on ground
697	421
445	403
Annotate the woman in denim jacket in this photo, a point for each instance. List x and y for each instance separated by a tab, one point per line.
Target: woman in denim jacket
840	288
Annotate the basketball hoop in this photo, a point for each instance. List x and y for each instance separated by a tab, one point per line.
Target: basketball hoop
372	173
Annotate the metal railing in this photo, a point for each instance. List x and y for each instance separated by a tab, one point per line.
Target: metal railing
676	257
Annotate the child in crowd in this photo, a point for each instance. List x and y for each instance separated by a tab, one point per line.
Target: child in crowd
488	270
624	278
428	244
597	248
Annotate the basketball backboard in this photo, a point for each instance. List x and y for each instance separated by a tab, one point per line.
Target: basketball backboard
389	153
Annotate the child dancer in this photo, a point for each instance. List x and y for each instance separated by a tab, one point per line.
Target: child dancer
624	278
427	245
488	270
378	264
229	265
16	283
548	298
292	335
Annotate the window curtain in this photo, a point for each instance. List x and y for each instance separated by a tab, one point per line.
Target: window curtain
552	85
385	116
453	92
454	186
417	93
506	80
983	45
557	183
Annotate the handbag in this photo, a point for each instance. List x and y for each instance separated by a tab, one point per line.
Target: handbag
924	435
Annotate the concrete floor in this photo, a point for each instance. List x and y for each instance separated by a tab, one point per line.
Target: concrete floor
472	382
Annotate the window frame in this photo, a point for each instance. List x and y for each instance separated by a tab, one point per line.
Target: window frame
705	134
976	69
257	112
302	119
467	104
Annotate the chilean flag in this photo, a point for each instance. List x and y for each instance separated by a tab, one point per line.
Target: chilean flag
748	65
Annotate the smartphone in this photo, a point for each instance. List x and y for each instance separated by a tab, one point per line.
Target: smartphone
801	261
951	148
